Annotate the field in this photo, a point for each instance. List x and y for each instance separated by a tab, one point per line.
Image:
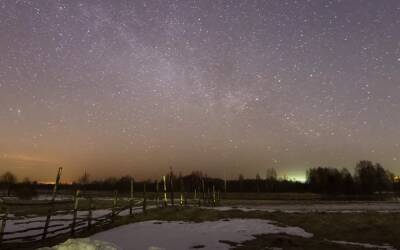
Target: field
281	222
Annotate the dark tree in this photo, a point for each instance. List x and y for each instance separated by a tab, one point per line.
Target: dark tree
8	179
241	179
372	178
258	180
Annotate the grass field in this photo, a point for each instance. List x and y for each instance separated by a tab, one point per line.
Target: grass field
367	226
373	228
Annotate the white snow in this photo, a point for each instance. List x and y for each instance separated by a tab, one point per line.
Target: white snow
350	207
82	244
39	221
365	245
184	235
48	197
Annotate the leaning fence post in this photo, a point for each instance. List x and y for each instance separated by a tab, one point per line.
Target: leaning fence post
144	197
131	200
73	224
3	224
50	210
90	213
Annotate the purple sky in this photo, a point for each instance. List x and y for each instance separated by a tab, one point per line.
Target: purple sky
133	87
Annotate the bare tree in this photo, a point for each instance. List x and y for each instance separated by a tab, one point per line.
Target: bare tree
9	179
270	179
84	179
258	178
241	179
271	174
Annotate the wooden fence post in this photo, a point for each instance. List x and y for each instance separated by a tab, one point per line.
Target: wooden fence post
114	206
204	191
90	213
144	198
3	223
50	210
208	196
181	192
157	195
171	186
73	224
198	201
131	200
165	191
213	196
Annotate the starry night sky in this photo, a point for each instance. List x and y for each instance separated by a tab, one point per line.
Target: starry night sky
133	87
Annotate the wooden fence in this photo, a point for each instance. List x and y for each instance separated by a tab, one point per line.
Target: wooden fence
52	227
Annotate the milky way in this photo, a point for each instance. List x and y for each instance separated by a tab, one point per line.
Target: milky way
133	87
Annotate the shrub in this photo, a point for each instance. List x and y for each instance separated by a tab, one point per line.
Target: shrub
25	192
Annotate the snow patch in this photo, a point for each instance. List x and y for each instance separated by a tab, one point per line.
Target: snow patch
82	244
316	208
366	245
185	235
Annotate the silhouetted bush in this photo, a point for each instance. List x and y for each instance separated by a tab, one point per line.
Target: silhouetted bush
25	192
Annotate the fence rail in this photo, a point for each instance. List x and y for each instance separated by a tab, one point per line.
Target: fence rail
75	221
78	220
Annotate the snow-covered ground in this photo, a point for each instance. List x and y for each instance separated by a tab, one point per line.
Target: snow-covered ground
158	235
24	223
161	235
82	244
364	245
340	207
48	197
186	235
13	225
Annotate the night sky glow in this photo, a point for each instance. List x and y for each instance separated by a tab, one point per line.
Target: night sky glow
133	87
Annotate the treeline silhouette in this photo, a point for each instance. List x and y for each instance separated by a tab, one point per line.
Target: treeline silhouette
368	178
